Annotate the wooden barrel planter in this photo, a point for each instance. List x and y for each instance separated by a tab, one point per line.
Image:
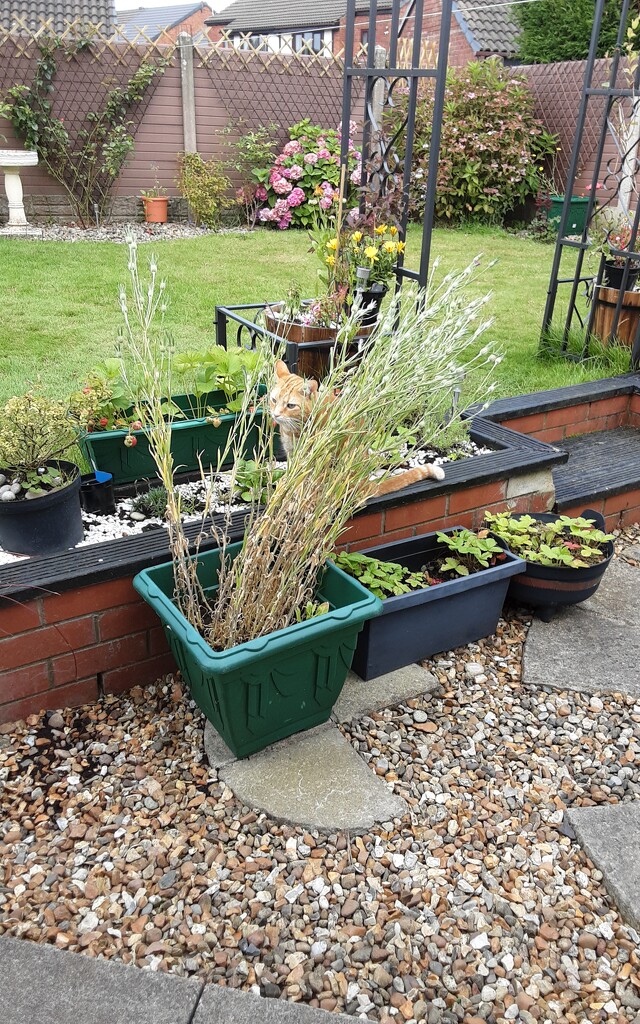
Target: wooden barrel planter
605	302
317	342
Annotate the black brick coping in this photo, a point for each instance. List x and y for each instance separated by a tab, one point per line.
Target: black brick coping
560	398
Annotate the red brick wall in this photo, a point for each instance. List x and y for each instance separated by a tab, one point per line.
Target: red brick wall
556	424
194	24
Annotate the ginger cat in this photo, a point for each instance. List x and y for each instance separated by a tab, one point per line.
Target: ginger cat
290	402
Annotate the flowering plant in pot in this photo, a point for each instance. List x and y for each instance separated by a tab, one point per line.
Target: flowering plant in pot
242	620
155	201
39	490
612	238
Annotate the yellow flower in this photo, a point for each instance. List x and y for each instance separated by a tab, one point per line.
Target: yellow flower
380	230
401	246
393	231
371	253
318	191
389	246
356	237
333	244
331	260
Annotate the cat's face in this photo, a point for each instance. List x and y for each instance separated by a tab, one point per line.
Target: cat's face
291	399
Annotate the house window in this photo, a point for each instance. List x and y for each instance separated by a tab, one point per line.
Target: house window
364	38
308	42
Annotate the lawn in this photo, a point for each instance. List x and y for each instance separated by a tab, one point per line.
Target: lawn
61	314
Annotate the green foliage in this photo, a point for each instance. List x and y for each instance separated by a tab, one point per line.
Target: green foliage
254	480
471	552
571	541
34	429
88	164
384	579
557	30
311	610
214	369
102	401
491	145
205	186
153	503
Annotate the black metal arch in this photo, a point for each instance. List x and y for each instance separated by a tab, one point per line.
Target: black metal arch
393	154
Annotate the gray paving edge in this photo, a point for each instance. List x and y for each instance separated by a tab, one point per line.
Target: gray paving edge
610	836
44	985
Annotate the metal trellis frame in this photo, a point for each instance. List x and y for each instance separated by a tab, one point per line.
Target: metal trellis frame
619	174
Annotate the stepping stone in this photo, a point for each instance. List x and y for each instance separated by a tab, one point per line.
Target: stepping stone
44	985
610	836
314	779
359	698
228	1006
594	646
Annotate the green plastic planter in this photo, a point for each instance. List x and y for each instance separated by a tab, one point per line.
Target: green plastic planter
106	451
577	213
264	690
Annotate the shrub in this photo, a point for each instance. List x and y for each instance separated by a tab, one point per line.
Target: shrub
304	176
490	149
556	30
205	186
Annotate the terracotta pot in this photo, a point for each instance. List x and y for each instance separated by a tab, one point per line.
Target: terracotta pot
155	209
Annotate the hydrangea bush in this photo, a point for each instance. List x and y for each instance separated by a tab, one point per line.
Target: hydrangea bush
305	175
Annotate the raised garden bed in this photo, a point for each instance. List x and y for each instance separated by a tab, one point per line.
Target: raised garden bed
71	625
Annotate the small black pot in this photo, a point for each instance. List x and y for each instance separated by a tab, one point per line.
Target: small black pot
46	525
548	588
613	275
96	493
373	298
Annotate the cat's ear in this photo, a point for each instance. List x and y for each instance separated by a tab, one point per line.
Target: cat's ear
310	388
282	370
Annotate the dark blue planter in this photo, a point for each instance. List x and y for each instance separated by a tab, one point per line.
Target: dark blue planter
417	625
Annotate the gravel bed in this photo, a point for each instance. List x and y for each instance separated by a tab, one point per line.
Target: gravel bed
120	233
117	840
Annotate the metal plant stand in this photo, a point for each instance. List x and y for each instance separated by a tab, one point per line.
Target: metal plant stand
618	175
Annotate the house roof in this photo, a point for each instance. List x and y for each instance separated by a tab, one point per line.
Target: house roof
154	20
270	15
489	25
59	12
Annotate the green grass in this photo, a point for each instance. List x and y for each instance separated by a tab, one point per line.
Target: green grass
60	313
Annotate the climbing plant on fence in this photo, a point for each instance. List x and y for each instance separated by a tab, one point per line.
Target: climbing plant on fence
87	155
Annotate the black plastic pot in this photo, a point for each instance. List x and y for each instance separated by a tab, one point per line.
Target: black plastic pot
417	625
372	298
613	275
547	588
46	525
96	493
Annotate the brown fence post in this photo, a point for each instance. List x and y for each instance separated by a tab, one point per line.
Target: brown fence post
187	88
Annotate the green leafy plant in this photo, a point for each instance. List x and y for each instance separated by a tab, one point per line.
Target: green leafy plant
153	503
214	369
491	148
559	30
102	401
312	610
253	481
571	541
205	186
471	552
88	161
384	579
34	431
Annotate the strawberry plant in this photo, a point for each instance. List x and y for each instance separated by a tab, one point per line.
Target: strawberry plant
571	541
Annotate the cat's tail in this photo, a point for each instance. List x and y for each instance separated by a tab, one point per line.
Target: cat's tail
410	476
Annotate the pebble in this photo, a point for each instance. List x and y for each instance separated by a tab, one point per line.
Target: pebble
474	907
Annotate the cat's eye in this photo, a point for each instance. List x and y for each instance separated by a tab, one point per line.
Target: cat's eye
291	405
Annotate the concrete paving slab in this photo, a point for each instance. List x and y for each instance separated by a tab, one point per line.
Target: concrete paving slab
43	985
314	779
610	836
593	646
215	748
228	1006
359	697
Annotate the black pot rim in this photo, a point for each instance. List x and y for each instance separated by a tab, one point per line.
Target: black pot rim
46	501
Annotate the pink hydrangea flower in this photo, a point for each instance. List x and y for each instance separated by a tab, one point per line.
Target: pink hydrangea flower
279	160
355	176
281	208
281	186
265	214
292	147
325	203
295	197
285	221
311	158
295	172
286	173
324	154
274	175
261	193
